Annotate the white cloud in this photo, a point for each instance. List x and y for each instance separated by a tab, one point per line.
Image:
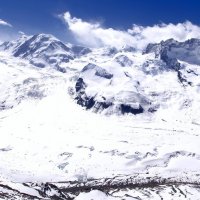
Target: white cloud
4	23
157	33
94	35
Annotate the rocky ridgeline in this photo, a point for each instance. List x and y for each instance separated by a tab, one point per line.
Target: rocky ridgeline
119	186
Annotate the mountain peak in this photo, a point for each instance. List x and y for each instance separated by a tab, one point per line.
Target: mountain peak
44	37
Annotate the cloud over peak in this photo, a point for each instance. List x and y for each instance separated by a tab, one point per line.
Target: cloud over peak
95	35
159	32
4	23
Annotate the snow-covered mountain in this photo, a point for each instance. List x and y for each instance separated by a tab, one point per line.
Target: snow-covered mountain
44	50
122	82
99	119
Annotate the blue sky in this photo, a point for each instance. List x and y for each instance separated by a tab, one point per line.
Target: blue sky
36	16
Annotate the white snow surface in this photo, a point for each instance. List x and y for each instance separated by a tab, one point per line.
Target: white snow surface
47	137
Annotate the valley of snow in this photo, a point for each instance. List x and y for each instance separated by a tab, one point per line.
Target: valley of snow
46	136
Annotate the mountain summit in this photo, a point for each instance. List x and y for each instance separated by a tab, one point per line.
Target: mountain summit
43	50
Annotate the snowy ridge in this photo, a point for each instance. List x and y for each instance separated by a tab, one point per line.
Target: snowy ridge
43	50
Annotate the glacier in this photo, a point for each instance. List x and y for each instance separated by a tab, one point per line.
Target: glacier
102	123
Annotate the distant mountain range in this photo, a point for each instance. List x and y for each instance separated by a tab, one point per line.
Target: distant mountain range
123	80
